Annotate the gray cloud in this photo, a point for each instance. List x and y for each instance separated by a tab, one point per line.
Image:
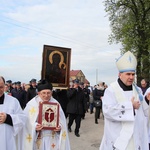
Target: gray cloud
79	25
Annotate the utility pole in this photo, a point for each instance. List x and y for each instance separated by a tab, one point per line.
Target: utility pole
96	76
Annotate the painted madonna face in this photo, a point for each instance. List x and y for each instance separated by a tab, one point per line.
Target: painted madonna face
45	94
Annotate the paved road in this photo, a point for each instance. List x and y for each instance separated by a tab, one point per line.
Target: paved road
90	134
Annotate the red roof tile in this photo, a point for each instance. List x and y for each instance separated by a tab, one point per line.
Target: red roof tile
86	81
74	72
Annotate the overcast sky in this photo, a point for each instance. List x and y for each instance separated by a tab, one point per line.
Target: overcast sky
82	25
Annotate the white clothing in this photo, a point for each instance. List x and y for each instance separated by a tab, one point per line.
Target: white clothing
123	130
9	134
49	140
147	91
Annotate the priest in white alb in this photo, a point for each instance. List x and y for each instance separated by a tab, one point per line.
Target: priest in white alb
125	110
36	137
147	97
12	120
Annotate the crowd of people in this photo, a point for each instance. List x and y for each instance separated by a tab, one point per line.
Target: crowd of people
23	92
71	105
19	121
123	105
74	104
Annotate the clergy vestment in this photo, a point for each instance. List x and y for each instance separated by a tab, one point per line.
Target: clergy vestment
125	128
147	91
9	133
49	140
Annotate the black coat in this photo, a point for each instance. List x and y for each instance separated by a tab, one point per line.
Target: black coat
77	102
32	92
98	93
87	93
20	94
61	97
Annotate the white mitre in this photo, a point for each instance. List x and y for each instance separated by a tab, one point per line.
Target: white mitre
127	62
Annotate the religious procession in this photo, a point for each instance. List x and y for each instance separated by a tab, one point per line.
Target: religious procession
75	75
42	115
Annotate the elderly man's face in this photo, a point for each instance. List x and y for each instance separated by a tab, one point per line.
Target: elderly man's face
45	95
2	87
127	77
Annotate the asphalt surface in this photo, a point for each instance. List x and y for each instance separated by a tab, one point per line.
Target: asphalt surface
90	134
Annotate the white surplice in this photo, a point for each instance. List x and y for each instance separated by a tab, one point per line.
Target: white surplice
49	140
124	128
9	134
148	91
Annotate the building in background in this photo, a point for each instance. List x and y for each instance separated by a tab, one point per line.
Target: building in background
78	74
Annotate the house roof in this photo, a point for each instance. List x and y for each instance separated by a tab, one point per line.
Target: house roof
86	81
74	72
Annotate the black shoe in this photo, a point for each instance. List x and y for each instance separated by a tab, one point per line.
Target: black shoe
96	122
69	129
77	134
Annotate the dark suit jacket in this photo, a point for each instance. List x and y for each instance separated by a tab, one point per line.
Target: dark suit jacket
77	101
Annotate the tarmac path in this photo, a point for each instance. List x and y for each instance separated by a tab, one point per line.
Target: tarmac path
90	134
